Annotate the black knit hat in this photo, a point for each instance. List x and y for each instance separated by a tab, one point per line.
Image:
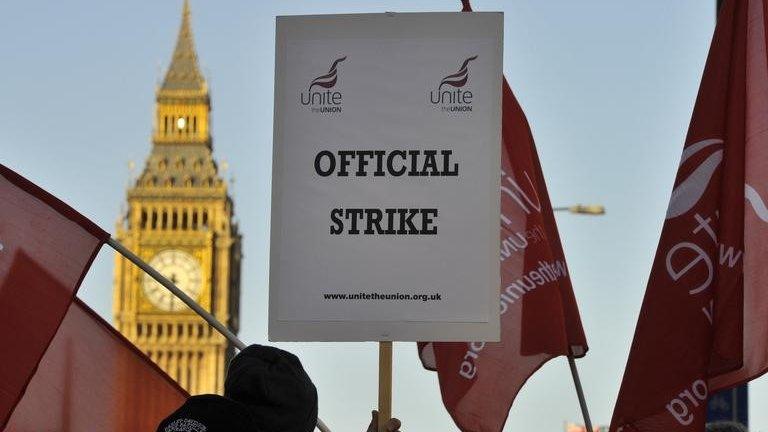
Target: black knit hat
275	387
209	413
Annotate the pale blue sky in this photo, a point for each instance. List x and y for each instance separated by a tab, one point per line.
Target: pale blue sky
608	87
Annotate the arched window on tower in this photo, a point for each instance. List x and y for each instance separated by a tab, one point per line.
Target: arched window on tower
143	223
188	372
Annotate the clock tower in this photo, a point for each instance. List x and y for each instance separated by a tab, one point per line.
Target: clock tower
180	219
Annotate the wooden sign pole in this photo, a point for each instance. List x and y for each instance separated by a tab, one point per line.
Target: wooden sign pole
385	384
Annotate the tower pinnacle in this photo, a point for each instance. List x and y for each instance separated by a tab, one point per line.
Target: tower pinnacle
184	73
183	103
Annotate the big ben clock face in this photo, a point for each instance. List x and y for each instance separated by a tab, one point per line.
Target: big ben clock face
180	268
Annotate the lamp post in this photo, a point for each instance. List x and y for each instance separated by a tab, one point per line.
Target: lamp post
584	209
592	210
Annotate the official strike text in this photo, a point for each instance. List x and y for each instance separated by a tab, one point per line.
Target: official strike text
384	221
382	163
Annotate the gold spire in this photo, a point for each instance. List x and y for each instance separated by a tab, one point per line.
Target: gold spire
184	73
182	113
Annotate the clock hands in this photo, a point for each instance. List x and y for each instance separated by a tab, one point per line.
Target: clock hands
172	299
183	270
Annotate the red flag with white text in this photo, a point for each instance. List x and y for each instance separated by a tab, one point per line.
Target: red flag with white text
46	248
539	316
703	325
93	379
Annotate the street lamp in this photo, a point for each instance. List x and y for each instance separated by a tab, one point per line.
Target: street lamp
591	209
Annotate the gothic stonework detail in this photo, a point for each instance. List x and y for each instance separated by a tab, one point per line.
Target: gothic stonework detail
180	219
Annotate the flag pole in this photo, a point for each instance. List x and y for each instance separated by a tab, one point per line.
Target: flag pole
580	393
321	426
210	319
385	384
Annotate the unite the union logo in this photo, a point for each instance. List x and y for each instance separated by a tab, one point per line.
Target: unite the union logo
687	194
324	98
451	94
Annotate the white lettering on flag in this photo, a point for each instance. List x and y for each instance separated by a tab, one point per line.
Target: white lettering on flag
546	272
679	407
731	255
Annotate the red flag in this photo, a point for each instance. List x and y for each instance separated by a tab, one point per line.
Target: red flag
46	248
93	379
539	316
704	319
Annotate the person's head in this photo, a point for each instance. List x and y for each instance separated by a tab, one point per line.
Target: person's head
725	426
275	388
209	413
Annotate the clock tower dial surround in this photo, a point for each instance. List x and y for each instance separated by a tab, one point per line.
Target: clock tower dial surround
180	268
180	219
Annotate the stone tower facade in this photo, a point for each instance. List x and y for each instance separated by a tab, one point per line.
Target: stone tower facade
180	219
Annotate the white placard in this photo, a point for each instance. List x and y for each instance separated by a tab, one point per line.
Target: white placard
385	195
